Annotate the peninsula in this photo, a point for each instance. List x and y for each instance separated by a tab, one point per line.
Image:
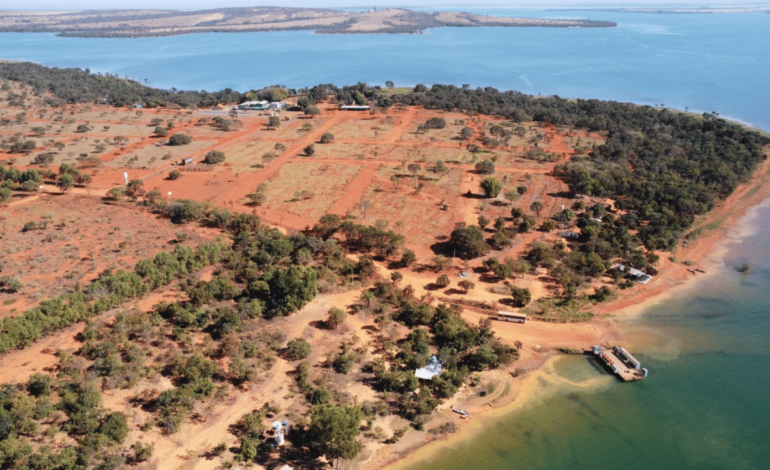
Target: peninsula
146	23
291	277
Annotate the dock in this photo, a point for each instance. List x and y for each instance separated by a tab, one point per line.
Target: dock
621	363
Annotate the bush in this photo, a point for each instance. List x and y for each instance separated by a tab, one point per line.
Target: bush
161	131
328	137
179	139
443	281
115	427
485	167
214	157
521	296
298	349
310	150
142	453
174	175
335	318
435	123
491	186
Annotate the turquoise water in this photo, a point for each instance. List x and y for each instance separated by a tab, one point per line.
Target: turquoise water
705	405
704	62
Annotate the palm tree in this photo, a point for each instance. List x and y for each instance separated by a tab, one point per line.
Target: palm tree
367	297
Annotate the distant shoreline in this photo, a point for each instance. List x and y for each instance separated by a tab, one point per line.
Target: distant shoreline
156	23
684	11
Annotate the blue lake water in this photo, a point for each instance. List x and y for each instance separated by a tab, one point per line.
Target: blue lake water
705	405
704	62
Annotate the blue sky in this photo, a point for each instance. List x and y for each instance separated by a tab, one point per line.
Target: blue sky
204	4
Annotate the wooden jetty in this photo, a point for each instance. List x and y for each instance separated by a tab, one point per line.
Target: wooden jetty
621	363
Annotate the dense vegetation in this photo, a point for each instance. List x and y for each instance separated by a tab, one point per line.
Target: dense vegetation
663	167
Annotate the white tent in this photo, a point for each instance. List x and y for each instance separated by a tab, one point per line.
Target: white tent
433	367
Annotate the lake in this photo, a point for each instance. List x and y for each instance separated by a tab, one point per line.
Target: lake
703	62
705	404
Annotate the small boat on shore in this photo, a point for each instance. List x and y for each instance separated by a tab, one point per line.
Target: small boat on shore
462	413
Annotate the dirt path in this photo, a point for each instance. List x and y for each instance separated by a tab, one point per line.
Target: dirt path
355	190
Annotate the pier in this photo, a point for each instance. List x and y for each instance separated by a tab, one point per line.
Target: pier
621	363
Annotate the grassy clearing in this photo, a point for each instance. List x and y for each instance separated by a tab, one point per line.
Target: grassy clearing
326	182
558	310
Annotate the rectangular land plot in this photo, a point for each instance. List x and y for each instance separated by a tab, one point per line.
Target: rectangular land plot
326	181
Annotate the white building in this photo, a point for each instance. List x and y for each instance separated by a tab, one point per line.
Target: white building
254	106
432	368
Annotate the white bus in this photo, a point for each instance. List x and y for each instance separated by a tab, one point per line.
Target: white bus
514	317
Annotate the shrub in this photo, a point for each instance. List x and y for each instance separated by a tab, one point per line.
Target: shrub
174	175
491	186
179	139
443	281
328	137
161	131
298	349
521	296
435	123
115	427
310	150
485	167
335	318
214	157
142	452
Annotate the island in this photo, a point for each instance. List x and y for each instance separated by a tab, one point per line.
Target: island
295	277
147	23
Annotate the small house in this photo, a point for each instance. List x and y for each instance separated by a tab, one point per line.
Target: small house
254	106
633	273
187	161
355	108
574	234
431	369
277	105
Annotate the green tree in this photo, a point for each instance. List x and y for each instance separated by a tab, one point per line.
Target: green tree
115	427
443	281
335	429
469	242
483	222
65	182
491	186
298	349
310	150
389	84
536	207
485	167
214	157
335	317
142	452
407	258
312	111
521	296
466	285
6	196
179	139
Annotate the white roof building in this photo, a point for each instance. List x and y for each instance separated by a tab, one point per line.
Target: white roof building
432	368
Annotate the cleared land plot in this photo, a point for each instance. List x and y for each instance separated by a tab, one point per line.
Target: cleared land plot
372	128
248	155
324	180
76	239
417	216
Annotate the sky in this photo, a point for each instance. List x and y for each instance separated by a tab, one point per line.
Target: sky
207	4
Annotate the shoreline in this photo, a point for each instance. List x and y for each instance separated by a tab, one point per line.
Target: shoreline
738	211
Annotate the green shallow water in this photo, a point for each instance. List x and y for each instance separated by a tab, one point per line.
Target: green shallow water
704	406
